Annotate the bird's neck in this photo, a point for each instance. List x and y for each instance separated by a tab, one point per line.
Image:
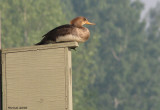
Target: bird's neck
77	25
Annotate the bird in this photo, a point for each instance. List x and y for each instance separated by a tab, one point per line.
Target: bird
75	31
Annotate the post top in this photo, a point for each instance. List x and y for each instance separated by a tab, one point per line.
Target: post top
41	47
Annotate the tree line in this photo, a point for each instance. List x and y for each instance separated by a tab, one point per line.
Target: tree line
117	69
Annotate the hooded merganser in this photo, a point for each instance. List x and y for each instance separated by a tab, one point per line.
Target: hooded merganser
69	32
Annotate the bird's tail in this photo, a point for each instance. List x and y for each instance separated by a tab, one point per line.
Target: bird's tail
45	41
39	43
42	42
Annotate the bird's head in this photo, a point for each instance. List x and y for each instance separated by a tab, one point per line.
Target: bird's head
80	21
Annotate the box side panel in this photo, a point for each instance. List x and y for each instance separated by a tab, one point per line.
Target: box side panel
0	82
68	79
41	47
4	85
36	80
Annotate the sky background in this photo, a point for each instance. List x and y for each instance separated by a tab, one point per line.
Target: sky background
148	5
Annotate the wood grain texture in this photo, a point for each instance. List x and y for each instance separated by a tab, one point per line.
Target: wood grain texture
42	47
69	80
4	84
38	78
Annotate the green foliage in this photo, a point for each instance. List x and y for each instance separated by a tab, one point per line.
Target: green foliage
125	77
84	73
25	21
117	69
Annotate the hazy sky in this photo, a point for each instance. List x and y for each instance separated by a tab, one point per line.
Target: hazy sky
148	4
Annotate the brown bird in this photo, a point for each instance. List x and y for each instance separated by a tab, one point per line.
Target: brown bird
69	32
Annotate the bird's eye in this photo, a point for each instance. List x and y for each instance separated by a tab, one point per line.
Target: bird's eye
84	19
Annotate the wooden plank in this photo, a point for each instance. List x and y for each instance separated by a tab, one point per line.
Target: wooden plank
35	79
68	79
41	47
4	86
38	77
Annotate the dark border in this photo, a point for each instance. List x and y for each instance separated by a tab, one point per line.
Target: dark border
0	81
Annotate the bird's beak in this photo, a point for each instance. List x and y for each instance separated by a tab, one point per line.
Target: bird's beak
90	23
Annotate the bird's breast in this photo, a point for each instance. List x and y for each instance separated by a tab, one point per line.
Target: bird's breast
69	38
83	33
77	34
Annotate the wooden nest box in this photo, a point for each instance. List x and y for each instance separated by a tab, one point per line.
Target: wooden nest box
37	77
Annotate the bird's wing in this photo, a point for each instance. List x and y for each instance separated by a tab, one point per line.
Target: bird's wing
60	31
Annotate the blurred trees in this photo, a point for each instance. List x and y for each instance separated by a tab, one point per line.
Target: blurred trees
152	52
125	79
25	21
117	68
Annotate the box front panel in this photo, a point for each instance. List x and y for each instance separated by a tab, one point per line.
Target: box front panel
36	80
